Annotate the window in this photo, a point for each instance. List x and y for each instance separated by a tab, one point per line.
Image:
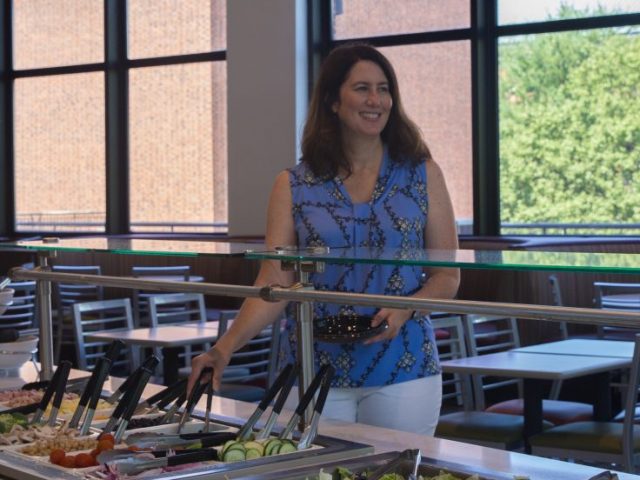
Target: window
367	18
178	148
152	118
54	33
569	131
59	150
434	76
525	11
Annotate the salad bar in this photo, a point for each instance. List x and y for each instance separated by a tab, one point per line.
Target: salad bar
158	437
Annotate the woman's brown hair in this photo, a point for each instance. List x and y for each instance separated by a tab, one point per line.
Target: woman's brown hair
322	148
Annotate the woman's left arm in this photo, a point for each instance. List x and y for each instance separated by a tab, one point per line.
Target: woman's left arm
440	233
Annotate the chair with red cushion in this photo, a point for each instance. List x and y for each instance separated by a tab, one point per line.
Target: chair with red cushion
488	334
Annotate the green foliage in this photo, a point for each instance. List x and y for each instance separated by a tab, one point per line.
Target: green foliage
570	127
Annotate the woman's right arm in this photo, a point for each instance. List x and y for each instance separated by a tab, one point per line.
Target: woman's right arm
255	314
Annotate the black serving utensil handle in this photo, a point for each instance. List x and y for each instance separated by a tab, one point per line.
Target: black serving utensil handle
279	382
311	391
122	404
304	402
132	402
286	389
168	417
111	354
42	384
277	407
192	457
102	368
166	395
277	385
64	367
48	394
311	431
196	392
324	390
24	409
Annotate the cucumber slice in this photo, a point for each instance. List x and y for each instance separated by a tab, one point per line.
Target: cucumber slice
228	444
252	453
234	455
272	447
287	447
252	445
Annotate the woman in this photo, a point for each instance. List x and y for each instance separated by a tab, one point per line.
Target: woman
366	179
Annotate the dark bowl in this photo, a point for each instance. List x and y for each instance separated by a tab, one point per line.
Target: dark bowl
345	328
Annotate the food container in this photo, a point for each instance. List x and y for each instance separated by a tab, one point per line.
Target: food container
324	450
428	467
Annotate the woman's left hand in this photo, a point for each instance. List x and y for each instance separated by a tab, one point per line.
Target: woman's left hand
395	319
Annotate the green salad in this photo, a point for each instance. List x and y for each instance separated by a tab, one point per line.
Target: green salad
345	474
8	420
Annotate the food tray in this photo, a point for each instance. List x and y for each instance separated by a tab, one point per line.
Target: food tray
323	450
30	467
428	467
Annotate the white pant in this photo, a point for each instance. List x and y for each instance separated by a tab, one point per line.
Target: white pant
412	406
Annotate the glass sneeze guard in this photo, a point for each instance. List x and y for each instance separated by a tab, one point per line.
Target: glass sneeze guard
466	259
137	246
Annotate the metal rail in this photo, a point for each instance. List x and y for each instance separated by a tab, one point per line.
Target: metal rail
306	295
591	316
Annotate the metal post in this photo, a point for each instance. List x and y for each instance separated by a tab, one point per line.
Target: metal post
44	318
305	344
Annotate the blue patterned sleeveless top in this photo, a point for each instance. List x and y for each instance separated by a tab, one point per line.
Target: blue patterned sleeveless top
395	217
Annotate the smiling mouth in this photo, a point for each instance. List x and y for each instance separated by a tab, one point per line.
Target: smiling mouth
370	115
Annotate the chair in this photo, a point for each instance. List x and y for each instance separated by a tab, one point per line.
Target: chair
65	296
176	308
252	368
617	296
92	317
496	430
141	297
21	314
451	345
488	334
610	442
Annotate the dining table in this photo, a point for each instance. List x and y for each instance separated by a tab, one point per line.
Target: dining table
583	346
169	338
536	368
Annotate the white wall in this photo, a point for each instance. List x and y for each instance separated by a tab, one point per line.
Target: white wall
266	102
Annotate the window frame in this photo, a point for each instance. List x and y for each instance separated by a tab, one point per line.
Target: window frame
115	67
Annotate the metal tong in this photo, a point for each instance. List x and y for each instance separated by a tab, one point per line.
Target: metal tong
412	455
311	430
162	398
127	404
134	465
129	381
282	384
95	383
194	396
277	407
163	441
56	386
130	405
171	411
305	400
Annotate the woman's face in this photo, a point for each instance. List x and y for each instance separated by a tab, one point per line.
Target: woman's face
364	101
